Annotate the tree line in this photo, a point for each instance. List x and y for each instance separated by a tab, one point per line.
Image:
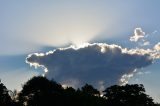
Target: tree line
39	91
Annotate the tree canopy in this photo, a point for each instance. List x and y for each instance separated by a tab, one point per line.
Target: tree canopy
5	99
128	95
39	91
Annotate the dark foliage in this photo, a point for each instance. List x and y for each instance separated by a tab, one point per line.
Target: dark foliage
40	91
128	95
4	96
5	99
88	89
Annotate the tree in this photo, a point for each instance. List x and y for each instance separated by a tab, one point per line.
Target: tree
88	89
5	99
128	95
39	91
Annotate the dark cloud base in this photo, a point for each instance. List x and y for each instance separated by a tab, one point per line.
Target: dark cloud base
97	64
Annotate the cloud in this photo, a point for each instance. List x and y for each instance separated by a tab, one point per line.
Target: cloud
157	50
142	73
92	63
138	34
146	43
157	46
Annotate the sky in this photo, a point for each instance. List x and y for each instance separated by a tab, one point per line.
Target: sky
119	38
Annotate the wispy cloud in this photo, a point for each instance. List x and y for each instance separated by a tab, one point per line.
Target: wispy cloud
146	43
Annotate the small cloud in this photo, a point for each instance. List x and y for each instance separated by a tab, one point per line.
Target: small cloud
154	32
157	46
142	73
146	43
138	34
124	79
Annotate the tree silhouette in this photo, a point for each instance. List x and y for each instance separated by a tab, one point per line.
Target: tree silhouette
5	99
39	91
88	89
89	96
128	95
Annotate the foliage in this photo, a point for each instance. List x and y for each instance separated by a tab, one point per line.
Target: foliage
5	99
4	96
128	95
39	91
88	89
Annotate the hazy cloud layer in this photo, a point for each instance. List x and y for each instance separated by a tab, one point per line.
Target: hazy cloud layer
58	23
91	63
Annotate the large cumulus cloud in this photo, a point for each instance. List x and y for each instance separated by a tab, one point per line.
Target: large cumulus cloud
97	64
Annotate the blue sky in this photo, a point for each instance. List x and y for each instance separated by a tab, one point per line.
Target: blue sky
39	26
